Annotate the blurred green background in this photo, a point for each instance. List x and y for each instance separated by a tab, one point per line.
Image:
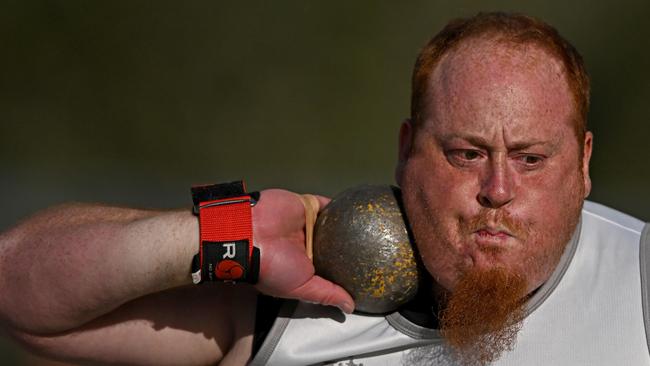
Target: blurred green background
130	103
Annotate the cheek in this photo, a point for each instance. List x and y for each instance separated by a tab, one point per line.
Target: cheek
445	190
555	195
551	206
433	207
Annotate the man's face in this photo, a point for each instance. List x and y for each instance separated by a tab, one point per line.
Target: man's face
493	178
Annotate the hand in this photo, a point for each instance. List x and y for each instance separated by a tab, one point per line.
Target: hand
286	271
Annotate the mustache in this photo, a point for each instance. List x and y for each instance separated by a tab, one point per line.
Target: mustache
499	220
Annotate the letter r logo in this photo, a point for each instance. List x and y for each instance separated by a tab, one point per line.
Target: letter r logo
231	250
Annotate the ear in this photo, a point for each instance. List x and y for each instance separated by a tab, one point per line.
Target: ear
586	157
404	148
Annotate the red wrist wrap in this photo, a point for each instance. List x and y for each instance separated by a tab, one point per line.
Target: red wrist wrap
226	251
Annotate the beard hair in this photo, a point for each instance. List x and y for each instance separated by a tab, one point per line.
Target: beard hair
482	316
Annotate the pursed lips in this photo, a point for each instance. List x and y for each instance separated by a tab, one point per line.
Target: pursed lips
493	234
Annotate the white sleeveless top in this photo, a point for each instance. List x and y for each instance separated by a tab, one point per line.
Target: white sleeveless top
590	312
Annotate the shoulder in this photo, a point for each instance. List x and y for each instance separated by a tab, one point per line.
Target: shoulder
596	215
607	216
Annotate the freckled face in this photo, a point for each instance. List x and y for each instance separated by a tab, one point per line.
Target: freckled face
492	177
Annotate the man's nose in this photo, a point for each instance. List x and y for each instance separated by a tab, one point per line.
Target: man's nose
497	185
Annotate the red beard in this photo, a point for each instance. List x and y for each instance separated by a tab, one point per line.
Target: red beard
482	316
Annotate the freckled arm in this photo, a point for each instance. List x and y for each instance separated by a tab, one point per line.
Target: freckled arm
70	264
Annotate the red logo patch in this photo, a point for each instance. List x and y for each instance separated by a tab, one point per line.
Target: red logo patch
229	270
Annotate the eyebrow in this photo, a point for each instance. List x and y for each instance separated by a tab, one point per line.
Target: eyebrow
485	143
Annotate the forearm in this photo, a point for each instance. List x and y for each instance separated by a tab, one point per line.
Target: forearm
71	264
187	325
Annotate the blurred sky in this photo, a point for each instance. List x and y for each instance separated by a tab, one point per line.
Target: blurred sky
130	103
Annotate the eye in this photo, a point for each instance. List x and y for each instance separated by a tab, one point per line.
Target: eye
464	157
531	161
470	154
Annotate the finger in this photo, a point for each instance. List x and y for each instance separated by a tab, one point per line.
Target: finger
322	201
321	291
311	204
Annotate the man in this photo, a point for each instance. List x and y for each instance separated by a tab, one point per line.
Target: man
494	168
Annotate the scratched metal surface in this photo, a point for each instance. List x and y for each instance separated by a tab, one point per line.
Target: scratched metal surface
361	242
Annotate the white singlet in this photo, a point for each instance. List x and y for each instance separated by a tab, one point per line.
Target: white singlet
590	312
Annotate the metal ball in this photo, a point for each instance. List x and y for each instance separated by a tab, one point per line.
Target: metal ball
361	242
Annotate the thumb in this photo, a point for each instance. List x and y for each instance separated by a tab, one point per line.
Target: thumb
321	291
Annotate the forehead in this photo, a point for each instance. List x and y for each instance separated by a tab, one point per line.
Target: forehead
488	85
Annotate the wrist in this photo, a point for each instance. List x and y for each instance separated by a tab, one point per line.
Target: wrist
226	251
184	232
